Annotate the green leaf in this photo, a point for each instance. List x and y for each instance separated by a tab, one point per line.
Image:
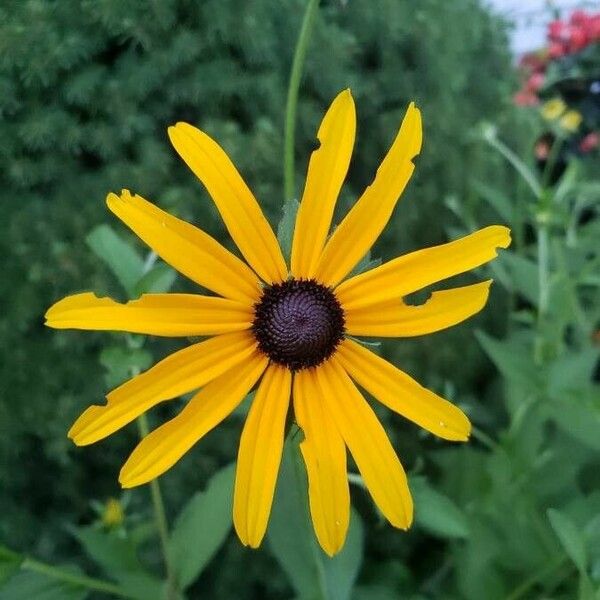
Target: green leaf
366	263
110	551
572	371
580	420
9	563
159	279
570	537
523	275
292	540
120	257
285	229
120	362
202	526
436	513
513	359
26	585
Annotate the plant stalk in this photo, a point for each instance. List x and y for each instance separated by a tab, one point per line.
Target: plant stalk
161	520
292	98
90	583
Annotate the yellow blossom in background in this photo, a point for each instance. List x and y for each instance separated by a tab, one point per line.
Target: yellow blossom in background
287	329
113	514
552	109
571	120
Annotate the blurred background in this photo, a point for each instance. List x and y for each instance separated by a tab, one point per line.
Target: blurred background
510	95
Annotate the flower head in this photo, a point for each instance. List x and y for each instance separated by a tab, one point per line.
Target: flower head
552	109
288	331
113	514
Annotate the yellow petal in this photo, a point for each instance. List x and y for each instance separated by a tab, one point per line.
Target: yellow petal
402	394
162	448
368	443
239	209
182	372
188	249
443	309
324	454
153	314
259	456
326	173
414	271
368	217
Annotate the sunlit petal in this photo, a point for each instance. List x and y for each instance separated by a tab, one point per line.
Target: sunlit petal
162	448
394	318
326	172
239	209
402	394
179	373
188	249
259	455
324	454
367	218
154	314
368	443
416	270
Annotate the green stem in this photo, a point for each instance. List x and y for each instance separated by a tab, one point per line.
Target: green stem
83	581
519	166
543	285
292	98
161	520
483	438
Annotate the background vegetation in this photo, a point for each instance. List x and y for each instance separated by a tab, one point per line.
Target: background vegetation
87	90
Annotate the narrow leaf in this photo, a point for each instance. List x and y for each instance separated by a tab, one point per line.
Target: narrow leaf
436	513
120	257
570	537
292	540
202	526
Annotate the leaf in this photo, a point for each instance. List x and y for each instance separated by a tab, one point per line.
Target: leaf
9	563
436	513
513	359
120	257
110	551
572	371
27	585
366	263
291	538
523	275
121	362
578	419
158	280
285	229
570	538
202	526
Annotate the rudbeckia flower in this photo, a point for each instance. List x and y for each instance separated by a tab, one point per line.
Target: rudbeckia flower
289	331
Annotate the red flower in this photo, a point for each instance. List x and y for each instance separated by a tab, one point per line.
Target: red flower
589	142
525	98
556	50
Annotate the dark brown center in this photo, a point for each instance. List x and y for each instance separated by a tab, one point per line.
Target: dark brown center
298	323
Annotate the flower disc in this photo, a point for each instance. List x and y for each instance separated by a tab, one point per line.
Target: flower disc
298	323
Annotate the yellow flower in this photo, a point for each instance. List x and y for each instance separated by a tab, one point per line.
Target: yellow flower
113	515
571	120
287	331
553	109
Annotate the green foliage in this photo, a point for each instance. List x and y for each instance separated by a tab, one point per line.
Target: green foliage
87	90
312	573
202	526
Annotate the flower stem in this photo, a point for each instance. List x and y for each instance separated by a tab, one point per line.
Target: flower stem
292	98
90	583
161	520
